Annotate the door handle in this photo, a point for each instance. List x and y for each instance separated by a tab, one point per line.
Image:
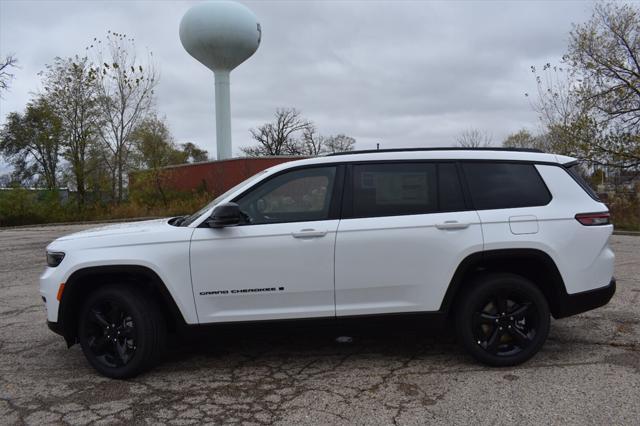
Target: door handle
308	233
452	224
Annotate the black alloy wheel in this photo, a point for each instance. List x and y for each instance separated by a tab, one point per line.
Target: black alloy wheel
504	324
121	330
111	333
503	320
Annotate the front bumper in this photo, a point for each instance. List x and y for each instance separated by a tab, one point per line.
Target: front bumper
55	327
50	282
576	303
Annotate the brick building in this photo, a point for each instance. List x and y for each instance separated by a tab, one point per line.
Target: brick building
214	176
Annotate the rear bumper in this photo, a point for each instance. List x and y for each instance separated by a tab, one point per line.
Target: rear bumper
586	300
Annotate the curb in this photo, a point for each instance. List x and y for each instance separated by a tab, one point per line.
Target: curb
628	233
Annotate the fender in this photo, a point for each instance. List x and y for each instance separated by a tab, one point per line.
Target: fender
511	259
142	275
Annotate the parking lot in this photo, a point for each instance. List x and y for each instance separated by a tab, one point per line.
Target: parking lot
588	372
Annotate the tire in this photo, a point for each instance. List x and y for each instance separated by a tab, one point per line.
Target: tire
503	320
121	331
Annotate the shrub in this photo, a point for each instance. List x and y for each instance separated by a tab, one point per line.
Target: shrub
19	206
625	210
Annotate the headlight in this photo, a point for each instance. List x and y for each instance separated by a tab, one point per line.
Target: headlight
54	258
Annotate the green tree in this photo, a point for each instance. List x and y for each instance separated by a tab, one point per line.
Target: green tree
604	56
154	149
98	174
551	141
522	139
154	146
31	142
70	89
194	153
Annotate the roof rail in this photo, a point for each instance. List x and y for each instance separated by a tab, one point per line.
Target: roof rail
440	148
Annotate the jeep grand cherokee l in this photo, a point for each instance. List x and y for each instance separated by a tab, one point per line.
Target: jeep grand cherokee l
493	241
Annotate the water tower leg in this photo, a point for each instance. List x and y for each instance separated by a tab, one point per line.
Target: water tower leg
223	115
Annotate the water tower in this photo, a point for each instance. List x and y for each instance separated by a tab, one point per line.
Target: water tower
221	35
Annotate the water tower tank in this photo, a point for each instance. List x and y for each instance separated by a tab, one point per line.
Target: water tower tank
221	35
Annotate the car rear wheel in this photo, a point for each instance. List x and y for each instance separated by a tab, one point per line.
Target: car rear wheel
121	331
503	320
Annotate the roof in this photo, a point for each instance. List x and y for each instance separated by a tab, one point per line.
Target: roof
435	154
445	148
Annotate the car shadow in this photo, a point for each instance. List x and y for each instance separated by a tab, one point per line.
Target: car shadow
403	339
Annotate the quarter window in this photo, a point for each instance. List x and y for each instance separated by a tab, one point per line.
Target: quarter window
576	173
505	185
296	196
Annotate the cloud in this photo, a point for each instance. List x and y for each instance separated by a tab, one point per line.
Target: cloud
395	73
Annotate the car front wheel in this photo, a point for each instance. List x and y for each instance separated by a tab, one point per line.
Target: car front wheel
503	320
121	331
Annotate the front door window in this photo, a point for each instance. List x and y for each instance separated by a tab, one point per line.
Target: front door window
296	196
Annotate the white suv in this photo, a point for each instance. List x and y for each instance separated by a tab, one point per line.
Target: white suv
494	240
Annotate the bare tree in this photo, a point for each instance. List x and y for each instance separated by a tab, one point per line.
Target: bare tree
473	138
278	137
312	143
339	143
566	125
126	92
71	90
556	103
6	64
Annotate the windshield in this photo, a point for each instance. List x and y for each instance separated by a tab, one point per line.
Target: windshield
190	219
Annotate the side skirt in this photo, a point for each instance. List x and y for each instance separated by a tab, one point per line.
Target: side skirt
419	321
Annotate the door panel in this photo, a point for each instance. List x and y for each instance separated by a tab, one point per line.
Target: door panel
402	263
407	226
279	262
263	271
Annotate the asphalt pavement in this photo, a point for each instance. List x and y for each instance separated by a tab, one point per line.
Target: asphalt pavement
587	373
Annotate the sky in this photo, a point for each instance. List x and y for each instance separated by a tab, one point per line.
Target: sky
397	73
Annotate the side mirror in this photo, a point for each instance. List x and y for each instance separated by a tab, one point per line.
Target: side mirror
227	214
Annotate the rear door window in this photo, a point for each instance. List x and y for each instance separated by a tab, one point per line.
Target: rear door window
497	185
396	189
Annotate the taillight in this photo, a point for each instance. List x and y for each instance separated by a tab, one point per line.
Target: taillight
593	219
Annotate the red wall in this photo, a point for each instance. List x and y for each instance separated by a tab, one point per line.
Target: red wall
215	176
